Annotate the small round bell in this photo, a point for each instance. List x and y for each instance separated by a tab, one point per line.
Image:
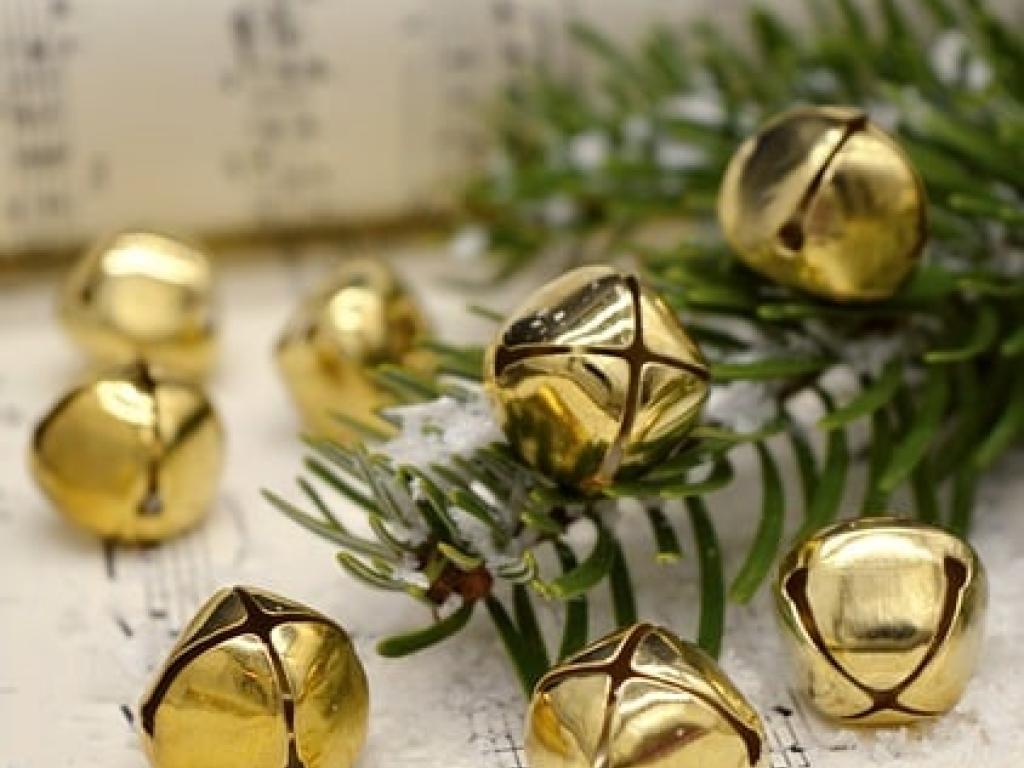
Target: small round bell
884	618
131	455
257	681
594	376
640	697
361	317
823	200
140	295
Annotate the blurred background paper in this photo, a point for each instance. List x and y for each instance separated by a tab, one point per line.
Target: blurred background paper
227	118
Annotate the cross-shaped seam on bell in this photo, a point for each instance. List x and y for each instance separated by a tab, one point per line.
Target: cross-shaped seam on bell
620	668
636	354
883	699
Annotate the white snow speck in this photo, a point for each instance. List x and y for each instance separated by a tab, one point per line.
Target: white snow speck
821	81
703	107
588	151
678	156
953	60
435	431
869	355
559	211
468	244
743	406
636	129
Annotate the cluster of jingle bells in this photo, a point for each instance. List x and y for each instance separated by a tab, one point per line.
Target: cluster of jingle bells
142	306
592	379
134	453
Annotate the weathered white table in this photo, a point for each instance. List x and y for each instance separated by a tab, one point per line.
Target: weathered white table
81	626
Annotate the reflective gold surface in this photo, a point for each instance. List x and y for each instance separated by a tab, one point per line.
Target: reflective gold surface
130	455
257	681
140	295
641	698
359	318
823	200
593	375
884	618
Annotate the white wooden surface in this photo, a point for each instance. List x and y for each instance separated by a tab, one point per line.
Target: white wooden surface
82	626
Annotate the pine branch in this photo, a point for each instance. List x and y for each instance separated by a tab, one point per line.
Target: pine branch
652	141
938	368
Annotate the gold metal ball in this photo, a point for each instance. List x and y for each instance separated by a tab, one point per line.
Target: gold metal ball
140	295
131	455
257	681
594	376
642	697
884	618
823	200
360	318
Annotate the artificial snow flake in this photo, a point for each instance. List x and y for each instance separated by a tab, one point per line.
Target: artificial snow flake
410	573
868	355
703	107
953	60
559	211
481	541
821	81
743	406
636	129
947	55
434	431
884	113
468	244
678	156
588	151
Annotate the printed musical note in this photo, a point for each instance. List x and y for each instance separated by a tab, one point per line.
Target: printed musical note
229	116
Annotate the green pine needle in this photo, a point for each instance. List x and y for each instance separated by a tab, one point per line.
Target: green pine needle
576	628
583	577
620	585
761	555
418	640
709	558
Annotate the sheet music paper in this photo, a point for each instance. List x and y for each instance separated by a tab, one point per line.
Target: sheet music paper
82	625
223	116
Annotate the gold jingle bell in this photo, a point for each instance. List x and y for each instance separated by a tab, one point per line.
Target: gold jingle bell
884	618
361	317
130	455
642	697
593	376
823	200
140	295
257	681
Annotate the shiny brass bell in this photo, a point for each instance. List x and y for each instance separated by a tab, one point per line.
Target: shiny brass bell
594	376
884	618
823	200
257	681
140	295
642	697
361	317
131	455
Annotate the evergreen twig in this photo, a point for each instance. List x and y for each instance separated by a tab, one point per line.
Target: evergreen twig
939	365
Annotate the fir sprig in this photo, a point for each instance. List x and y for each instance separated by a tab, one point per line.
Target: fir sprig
587	170
938	368
445	532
